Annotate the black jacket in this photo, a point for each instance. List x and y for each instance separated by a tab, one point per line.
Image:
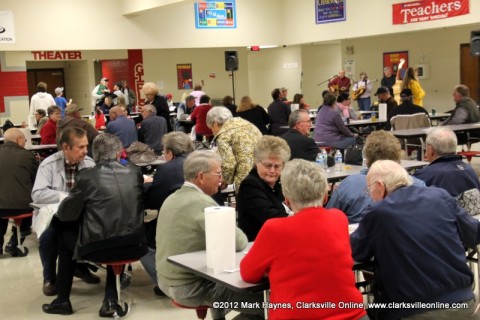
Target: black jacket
17	169
258	116
161	104
256	203
107	200
301	147
279	113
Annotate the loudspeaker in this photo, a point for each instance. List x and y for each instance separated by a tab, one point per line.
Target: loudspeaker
475	43
231	61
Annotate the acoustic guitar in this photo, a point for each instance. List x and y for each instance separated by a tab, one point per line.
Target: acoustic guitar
357	93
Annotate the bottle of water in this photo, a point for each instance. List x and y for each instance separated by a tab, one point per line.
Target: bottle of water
364	159
319	159
338	161
325	159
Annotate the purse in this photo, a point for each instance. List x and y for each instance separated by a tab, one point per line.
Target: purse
470	201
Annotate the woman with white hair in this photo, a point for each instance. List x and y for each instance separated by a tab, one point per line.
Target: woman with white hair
307	257
152	96
236	139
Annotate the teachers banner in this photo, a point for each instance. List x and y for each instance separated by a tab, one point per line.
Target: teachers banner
421	11
329	10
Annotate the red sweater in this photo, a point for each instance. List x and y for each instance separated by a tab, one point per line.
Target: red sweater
199	116
308	260
48	133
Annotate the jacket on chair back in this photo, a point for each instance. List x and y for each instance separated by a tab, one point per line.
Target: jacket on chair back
107	202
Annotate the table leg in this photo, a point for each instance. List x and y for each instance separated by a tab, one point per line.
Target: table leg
265	300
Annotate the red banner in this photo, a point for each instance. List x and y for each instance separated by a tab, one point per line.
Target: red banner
429	10
135	74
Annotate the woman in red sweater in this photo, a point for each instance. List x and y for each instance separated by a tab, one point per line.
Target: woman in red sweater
48	132
199	116
307	257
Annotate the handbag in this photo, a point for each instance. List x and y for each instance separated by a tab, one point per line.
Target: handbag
139	152
44	217
353	154
470	201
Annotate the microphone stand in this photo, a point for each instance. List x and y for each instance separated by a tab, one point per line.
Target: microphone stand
328	80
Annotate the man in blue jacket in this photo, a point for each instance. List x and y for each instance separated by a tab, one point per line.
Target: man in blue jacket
446	169
416	236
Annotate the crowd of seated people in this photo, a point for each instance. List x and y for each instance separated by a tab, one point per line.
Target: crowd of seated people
282	203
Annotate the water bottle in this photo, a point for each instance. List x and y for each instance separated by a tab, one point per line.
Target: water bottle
364	159
319	159
325	159
338	161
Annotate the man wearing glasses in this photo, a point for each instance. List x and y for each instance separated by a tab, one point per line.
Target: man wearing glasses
298	136
416	237
181	229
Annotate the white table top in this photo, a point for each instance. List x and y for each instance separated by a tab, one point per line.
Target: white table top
196	262
42	147
366	122
420	132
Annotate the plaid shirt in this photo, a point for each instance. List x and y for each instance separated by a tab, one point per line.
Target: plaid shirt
71	172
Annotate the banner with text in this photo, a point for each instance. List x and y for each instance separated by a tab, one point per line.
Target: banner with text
213	14
421	11
7	30
136	74
329	11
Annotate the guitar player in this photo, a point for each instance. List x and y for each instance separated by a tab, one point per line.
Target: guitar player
362	90
339	84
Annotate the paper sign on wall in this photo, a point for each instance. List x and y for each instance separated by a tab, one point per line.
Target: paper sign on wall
7	30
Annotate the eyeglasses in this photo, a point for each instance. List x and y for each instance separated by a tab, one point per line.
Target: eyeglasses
308	121
367	188
271	165
219	175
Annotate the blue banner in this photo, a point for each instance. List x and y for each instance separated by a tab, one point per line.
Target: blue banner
213	14
329	11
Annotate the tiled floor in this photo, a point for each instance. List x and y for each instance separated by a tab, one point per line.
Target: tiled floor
21	294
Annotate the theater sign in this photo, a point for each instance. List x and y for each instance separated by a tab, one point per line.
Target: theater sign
428	10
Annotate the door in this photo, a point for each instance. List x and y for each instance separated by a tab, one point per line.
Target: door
470	71
52	77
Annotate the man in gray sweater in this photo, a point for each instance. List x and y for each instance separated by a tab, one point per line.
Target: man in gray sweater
181	229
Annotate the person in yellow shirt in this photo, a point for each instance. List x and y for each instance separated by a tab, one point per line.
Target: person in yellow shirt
410	81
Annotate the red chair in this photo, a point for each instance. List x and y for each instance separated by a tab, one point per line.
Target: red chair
22	251
200	310
118	267
469	155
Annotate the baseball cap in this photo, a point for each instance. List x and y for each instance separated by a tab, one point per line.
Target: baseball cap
381	90
72	108
58	90
406	93
104	79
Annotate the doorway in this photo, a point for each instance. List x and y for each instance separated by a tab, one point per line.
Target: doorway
470	71
52	77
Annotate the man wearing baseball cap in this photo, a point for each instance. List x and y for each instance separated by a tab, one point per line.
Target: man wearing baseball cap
384	96
98	93
60	100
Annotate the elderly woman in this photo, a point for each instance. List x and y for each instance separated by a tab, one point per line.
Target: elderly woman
254	113
316	240
260	195
235	139
167	179
150	90
329	126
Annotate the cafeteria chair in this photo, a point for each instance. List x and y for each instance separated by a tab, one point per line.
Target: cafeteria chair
17	220
469	155
200	310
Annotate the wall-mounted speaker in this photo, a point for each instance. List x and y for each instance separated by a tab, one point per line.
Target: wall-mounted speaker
231	61
475	43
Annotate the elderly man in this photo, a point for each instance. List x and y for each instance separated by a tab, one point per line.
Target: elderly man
388	80
298	137
99	92
73	119
446	169
416	238
102	221
417	116
384	96
17	169
181	229
153	129
236	139
184	111
55	178
339	83
122	127
310	278
350	196
466	110
279	112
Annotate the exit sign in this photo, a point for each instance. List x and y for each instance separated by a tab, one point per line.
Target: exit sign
255	48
